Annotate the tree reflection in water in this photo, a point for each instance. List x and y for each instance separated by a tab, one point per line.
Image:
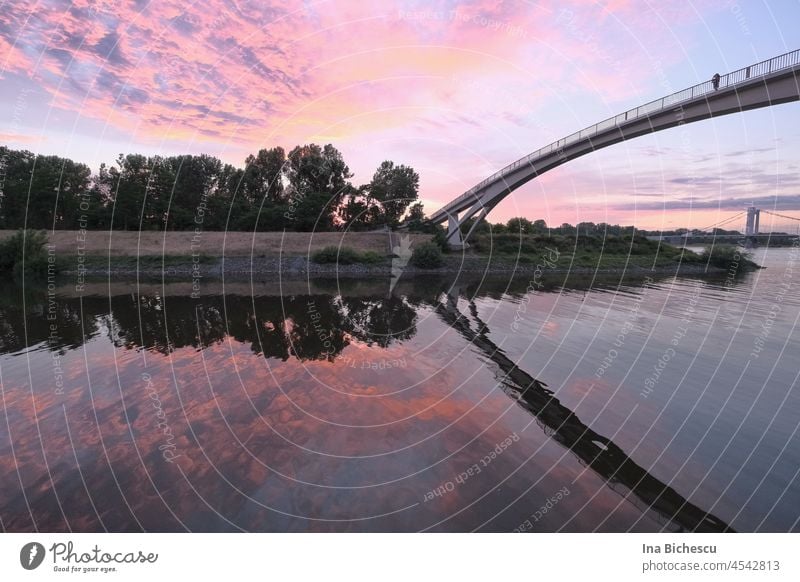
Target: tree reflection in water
306	327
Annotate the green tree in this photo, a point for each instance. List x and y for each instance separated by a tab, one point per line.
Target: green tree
357	212
41	191
195	182
394	187
317	181
16	168
499	228
483	227
519	225
229	204
263	177
130	183
72	185
539	226
416	213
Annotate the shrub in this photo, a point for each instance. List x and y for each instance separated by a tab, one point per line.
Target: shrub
728	257
440	239
29	244
507	243
344	256
370	257
427	256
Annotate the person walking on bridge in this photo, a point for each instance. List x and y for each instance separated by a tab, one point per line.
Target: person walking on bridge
715	81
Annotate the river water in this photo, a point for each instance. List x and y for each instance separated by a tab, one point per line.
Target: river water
647	404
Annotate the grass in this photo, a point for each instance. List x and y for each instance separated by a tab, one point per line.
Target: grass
211	243
345	256
70	262
584	251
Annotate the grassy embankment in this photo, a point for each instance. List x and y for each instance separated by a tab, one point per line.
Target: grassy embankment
601	253
152	250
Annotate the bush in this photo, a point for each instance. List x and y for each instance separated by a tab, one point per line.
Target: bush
427	256
29	244
440	239
508	243
728	257
344	256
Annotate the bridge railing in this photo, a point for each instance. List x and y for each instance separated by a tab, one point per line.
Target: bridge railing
761	69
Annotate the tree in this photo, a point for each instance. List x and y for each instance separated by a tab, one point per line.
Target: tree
130	182
357	212
16	169
416	218
263	178
519	225
317	181
41	191
416	213
394	187
73	186
482	227
227	200
308	189
499	228
194	182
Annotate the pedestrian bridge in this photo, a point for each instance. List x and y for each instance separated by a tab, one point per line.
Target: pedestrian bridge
769	82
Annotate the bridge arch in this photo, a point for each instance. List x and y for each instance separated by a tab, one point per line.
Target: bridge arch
762	84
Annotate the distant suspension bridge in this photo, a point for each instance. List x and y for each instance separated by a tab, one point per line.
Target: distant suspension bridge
752	220
751	231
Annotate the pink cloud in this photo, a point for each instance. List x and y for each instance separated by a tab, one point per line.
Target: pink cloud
470	86
19	138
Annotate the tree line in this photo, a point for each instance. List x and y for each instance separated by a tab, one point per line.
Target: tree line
522	226
307	189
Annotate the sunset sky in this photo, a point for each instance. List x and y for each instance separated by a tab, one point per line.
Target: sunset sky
454	89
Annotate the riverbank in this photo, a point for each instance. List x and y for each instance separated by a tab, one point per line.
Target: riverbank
147	243
259	268
285	256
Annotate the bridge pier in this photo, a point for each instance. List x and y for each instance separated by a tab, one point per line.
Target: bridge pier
454	239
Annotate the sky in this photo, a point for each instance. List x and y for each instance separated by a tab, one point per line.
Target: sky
455	89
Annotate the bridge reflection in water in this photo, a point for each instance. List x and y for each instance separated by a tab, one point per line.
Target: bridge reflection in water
594	450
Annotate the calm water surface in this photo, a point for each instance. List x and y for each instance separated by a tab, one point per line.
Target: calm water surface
652	404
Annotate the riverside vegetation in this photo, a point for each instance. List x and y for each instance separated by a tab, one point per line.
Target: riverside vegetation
26	253
507	251
307	190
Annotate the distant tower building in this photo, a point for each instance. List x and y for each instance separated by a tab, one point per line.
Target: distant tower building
753	216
